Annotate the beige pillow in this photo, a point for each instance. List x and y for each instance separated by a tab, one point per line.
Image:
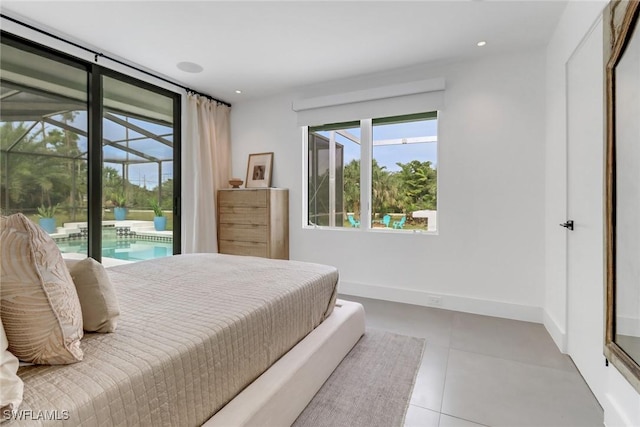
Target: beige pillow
70	263
100	309
11	386
38	301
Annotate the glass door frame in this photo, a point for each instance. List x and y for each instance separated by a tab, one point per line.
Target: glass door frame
96	111
95	72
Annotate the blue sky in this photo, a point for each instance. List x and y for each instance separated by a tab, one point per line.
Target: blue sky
389	155
144	174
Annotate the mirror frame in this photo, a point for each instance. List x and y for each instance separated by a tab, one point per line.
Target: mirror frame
623	21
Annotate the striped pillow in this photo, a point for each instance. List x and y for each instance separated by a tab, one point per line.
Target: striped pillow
39	305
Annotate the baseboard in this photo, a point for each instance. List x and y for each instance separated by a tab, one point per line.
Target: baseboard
448	302
621	401
558	334
614	416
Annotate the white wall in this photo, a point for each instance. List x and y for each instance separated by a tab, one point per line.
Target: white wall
620	401
488	255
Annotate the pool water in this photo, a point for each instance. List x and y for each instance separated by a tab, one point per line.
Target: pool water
128	249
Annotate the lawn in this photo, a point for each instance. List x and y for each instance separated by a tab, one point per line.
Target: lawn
394	217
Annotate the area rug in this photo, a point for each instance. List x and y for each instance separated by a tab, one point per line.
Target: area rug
371	387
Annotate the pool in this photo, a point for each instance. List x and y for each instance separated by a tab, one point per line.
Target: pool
127	249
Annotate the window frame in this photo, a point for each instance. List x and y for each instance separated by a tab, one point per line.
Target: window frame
366	185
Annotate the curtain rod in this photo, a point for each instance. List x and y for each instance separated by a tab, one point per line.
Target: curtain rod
117	61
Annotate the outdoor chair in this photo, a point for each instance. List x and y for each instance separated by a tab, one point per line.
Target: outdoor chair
354	222
386	220
400	224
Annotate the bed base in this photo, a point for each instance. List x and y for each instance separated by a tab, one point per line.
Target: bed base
281	393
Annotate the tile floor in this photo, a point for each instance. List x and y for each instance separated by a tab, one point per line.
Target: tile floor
480	370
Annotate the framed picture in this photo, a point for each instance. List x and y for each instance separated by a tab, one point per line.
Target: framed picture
259	170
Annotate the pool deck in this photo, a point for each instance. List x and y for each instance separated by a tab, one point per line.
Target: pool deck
106	261
141	228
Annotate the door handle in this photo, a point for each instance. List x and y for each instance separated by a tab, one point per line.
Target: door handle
568	224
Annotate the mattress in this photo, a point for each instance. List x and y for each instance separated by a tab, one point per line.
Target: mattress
194	331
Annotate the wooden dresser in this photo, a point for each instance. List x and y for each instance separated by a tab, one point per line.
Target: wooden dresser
254	221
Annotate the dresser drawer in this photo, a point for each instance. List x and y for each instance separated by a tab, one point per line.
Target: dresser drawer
243	248
236	215
244	233
254	222
243	198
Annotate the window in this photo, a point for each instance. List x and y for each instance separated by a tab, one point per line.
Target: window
334	174
397	190
73	171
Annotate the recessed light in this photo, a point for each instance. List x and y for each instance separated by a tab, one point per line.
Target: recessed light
238	91
482	43
189	67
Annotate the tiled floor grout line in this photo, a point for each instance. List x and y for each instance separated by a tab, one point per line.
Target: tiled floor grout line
464	419
444	383
446	372
446	365
568	371
520	362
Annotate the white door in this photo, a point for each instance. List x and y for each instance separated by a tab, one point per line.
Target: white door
585	186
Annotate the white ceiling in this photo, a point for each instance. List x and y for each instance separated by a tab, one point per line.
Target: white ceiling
266	47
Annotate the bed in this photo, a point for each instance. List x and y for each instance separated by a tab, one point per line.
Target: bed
203	338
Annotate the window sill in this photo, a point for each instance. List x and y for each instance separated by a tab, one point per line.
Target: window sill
372	230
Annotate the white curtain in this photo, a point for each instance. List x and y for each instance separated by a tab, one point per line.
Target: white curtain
206	167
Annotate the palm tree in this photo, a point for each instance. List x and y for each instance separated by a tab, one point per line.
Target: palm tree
383	188
39	169
351	191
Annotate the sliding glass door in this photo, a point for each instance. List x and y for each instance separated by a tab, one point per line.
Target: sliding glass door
99	173
43	143
137	170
